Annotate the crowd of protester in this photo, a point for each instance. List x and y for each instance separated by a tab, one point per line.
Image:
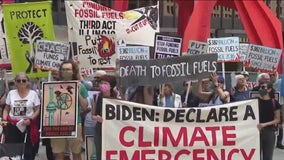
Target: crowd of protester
104	85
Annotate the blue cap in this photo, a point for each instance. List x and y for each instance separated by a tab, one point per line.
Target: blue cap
221	79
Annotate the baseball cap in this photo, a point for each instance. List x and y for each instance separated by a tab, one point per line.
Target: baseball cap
221	79
245	73
100	73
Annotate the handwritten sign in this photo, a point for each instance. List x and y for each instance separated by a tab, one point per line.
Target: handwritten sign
167	46
263	58
4	56
197	47
133	52
50	54
96	30
227	48
138	131
157	71
243	51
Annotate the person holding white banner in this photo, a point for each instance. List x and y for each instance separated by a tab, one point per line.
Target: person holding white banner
240	91
269	117
168	98
69	71
277	86
107	85
188	98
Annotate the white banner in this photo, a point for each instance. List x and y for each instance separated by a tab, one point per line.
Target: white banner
137	131
95	30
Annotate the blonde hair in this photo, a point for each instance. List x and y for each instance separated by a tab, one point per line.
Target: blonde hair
239	76
26	76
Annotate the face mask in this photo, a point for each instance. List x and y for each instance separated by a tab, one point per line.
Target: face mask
67	75
104	87
262	92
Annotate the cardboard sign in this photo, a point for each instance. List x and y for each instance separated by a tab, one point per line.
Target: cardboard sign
243	51
96	30
158	71
263	58
133	52
50	54
167	46
227	48
197	47
4	55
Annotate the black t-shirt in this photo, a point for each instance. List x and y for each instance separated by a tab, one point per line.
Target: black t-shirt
192	100
266	109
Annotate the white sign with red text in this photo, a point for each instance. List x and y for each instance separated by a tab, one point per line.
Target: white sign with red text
138	131
227	48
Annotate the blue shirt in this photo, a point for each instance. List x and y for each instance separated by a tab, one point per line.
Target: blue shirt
169	101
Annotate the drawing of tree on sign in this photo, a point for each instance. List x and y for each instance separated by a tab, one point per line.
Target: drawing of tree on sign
29	33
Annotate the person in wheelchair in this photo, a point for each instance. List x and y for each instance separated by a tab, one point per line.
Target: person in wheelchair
21	112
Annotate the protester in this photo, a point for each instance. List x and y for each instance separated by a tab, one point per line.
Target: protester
21	111
188	98
96	81
140	94
70	71
206	84
107	85
277	86
11	86
84	80
89	122
269	117
246	75
218	95
240	91
261	78
167	98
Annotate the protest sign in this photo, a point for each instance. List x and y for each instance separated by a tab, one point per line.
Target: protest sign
158	71
4	54
26	23
96	30
139	131
227	48
50	54
59	109
133	52
197	47
243	51
255	94
167	46
263	58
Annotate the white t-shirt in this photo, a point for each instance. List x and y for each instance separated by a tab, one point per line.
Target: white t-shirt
22	107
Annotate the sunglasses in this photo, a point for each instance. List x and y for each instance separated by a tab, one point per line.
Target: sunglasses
21	80
263	87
